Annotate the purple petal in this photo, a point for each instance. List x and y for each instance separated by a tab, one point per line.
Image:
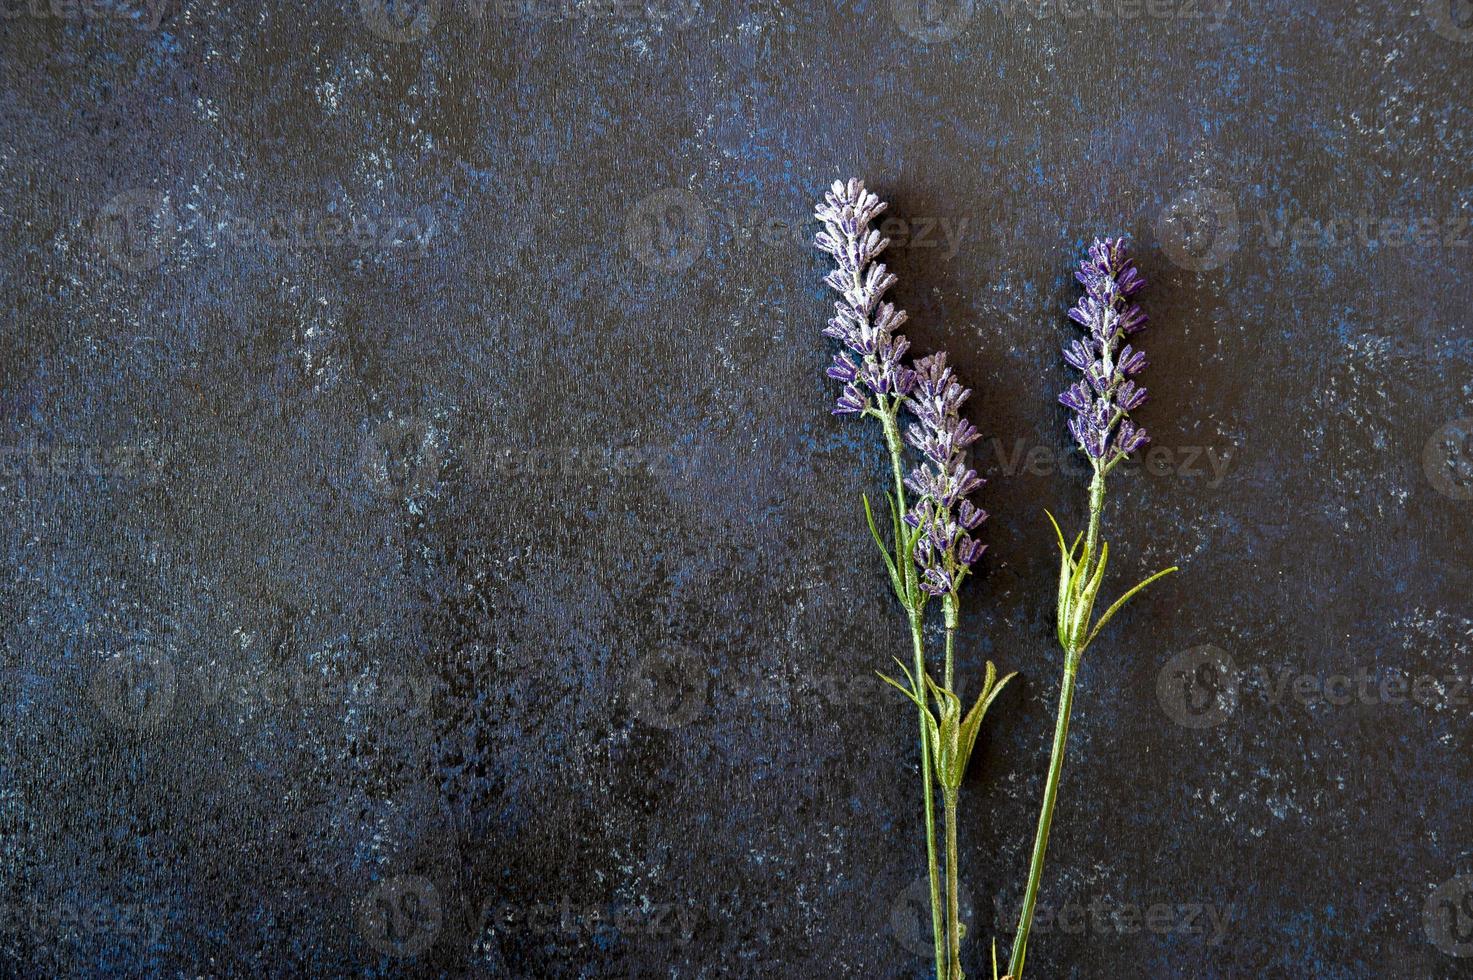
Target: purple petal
1131	361
843	369
1078	356
1077	397
1130	396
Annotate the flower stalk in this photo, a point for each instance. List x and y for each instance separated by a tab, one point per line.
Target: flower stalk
929	550
1102	401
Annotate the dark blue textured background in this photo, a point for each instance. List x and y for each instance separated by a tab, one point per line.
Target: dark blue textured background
427	549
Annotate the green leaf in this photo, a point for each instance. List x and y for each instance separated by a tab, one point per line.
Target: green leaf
918	599
946	699
884	551
1067	571
995	689
897	685
895	522
1079	623
972	724
910	691
1058	534
1109	613
933	735
1081	572
948	761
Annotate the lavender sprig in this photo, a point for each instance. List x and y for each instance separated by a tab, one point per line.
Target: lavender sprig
877	386
1101	426
1103	400
933	549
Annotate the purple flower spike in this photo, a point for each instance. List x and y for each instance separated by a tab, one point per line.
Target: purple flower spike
861	322
1103	400
943	481
881	381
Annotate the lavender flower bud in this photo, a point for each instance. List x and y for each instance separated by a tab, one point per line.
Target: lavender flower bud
863	323
943	481
1104	399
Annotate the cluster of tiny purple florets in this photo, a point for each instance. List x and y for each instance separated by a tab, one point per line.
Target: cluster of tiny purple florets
861	322
929	389
1103	400
943	481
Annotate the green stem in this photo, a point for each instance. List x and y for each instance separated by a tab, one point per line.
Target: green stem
953	888
1096	505
1046	817
896	446
937	927
1056	757
918	643
949	605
